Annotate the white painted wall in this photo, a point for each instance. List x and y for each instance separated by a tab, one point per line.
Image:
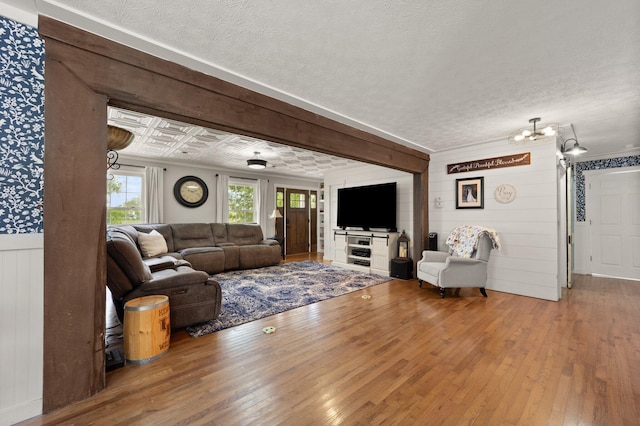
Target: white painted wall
176	213
21	326
20	11
367	175
528	263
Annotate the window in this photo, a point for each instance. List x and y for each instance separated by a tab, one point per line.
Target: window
297	201
280	199
313	201
242	205
125	202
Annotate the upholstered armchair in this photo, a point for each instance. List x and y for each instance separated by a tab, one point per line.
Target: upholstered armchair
453	270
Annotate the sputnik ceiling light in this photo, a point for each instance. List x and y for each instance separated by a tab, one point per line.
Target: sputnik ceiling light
256	162
535	133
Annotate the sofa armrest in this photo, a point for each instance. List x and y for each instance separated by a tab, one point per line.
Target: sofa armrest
225	245
159	263
169	278
434	256
270	242
462	261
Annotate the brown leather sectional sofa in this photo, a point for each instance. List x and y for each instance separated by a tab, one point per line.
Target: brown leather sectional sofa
194	251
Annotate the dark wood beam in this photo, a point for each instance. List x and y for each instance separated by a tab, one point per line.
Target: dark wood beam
74	238
86	73
186	94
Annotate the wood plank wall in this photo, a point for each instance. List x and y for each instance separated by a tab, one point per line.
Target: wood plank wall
528	263
369	175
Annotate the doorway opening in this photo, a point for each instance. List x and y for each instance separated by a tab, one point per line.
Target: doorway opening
299	223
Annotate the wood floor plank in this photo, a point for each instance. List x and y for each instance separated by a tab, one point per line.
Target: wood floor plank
403	356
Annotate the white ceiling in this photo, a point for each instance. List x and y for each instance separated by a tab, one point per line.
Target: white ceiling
428	74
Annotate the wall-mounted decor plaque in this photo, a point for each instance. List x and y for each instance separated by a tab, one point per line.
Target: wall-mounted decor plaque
505	193
521	159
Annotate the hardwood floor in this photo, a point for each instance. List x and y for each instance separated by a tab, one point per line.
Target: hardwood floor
404	356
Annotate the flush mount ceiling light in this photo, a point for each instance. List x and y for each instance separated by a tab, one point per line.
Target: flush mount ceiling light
256	162
534	133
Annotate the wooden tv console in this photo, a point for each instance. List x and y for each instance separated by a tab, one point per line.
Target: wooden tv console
364	251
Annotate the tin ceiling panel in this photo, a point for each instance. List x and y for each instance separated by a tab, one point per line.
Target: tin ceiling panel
172	141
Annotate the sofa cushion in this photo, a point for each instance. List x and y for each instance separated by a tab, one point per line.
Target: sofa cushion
193	297
243	234
125	253
431	270
220	233
117	281
231	256
127	229
259	255
182	275
160	263
162	228
188	235
208	259
152	244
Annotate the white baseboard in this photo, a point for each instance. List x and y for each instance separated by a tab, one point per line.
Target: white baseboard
19	413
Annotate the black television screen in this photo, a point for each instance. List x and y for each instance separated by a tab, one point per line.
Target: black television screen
367	207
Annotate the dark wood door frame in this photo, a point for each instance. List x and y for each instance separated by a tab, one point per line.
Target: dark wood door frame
86	73
313	221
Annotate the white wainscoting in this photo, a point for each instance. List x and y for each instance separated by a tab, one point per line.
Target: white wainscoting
21	326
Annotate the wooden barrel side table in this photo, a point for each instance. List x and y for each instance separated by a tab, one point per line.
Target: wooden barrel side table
147	328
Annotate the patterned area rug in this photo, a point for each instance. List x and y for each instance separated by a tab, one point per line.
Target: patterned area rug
257	293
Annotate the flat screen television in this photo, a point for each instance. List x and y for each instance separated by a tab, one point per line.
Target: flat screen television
368	207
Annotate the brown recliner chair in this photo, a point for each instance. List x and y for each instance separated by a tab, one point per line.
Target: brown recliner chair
193	296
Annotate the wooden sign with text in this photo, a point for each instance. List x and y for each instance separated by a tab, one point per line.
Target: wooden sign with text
522	159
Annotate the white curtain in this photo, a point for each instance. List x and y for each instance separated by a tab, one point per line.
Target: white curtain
262	203
222	199
154	197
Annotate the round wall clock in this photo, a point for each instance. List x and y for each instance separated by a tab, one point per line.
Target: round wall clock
190	191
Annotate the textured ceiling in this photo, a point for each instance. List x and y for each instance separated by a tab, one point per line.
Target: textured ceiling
429	74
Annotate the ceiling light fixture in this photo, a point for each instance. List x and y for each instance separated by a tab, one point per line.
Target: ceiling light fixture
532	134
576	149
256	162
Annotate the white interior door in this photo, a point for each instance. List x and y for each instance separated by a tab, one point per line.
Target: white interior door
613	214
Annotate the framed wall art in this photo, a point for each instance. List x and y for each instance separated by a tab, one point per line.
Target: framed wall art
470	193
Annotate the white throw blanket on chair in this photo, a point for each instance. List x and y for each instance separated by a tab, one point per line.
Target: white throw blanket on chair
463	240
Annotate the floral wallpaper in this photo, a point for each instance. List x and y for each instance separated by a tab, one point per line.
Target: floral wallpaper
21	128
609	163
